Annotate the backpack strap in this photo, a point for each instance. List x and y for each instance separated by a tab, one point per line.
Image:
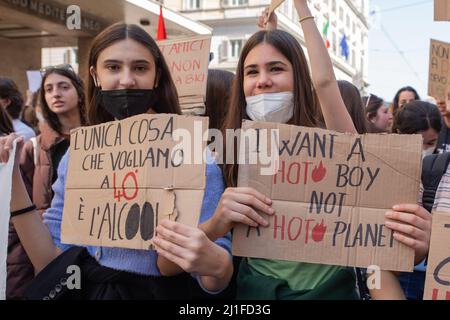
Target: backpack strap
433	168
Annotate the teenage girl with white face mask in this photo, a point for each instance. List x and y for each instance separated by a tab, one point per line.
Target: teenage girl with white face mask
273	84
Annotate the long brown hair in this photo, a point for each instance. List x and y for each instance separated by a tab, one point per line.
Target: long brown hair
51	117
353	102
9	90
166	92
6	126
306	107
371	104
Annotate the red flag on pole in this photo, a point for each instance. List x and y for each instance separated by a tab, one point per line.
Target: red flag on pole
161	35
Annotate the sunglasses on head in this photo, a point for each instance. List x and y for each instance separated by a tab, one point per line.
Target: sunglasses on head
66	67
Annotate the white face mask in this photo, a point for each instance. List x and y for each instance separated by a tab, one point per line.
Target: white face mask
271	107
427	152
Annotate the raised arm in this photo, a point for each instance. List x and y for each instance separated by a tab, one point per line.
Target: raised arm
34	235
333	108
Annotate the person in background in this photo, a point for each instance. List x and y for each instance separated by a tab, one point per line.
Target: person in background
6	126
403	96
353	102
30	115
443	144
63	107
379	119
11	100
218	96
420	117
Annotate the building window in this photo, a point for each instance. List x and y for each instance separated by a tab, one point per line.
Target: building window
235	3
236	48
192	4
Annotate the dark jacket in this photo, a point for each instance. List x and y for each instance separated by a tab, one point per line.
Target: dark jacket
38	180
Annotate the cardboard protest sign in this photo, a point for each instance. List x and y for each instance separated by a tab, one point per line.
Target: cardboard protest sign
439	76
441	10
6	170
273	6
437	283
188	61
126	176
330	193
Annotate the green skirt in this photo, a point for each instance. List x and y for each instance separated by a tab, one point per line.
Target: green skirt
252	285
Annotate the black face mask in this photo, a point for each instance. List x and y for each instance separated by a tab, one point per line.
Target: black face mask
126	103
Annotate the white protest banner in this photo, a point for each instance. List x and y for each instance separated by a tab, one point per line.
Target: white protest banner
330	193
437	283
126	176
34	80
6	170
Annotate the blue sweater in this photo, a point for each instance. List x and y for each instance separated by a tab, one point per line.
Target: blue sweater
132	260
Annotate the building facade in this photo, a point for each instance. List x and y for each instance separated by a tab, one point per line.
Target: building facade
38	33
234	21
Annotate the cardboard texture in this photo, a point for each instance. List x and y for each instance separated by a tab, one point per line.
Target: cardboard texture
6	171
437	283
273	6
188	61
441	10
439	71
126	176
330	196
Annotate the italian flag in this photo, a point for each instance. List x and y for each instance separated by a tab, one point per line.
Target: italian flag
325	33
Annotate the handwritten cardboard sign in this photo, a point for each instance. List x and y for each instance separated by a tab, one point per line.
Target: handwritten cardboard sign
439	75
330	193
188	61
437	283
6	170
126	176
441	10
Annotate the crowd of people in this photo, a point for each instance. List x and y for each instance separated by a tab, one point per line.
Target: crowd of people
273	82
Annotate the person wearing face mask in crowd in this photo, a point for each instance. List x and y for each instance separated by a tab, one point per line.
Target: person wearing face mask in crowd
273	83
402	97
379	119
129	76
12	102
419	117
64	109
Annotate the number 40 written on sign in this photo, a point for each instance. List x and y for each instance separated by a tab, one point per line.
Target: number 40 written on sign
126	191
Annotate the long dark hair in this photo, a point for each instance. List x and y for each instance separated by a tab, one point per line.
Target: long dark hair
9	90
353	102
51	117
6	126
306	107
218	96
395	102
371	105
417	116
167	98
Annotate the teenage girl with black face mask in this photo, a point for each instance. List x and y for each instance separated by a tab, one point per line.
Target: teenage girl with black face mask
128	77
